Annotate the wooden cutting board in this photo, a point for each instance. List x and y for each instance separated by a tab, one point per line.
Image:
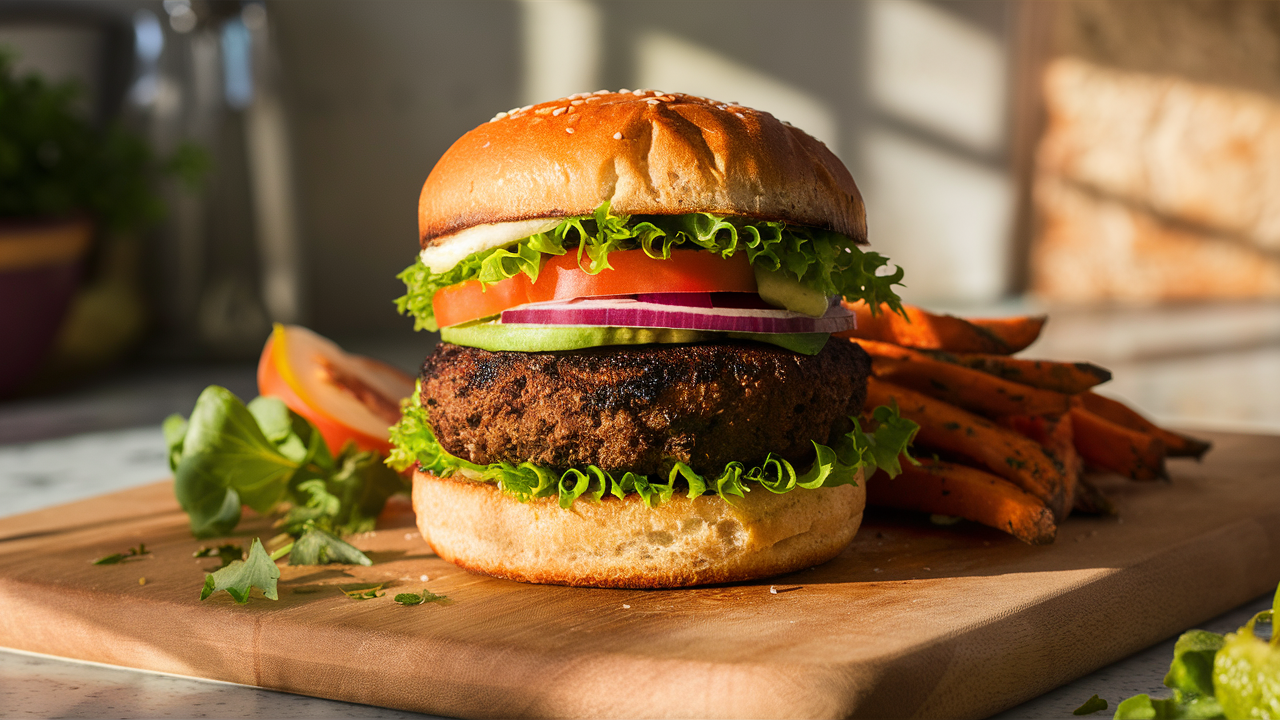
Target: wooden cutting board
911	620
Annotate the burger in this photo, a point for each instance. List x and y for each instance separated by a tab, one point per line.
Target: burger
635	384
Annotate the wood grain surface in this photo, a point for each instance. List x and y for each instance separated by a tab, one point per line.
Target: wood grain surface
912	620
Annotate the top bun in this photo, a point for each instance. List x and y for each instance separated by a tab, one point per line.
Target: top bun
646	153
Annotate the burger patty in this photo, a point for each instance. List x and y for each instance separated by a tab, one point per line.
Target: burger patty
640	408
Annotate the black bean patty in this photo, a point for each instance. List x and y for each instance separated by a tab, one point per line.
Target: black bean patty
639	408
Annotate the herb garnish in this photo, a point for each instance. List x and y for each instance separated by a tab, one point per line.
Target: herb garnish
416	599
1090	706
225	553
132	554
317	547
362	592
240	576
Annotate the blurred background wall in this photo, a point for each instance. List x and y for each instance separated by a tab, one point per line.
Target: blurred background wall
325	117
1086	151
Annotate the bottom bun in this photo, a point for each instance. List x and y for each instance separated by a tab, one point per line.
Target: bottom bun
624	544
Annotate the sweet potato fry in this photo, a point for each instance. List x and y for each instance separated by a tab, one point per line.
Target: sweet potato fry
1054	433
924	330
1175	444
1090	500
877	348
1113	447
972	390
1016	332
1004	452
1063	377
946	488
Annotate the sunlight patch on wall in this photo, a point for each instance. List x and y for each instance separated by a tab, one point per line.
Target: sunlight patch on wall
946	220
668	63
562	48
936	71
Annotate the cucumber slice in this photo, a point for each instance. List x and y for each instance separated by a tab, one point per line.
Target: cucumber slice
782	290
495	336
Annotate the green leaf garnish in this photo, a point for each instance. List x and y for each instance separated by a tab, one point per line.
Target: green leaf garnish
225	553
365	591
1090	706
317	547
1212	676
240	576
132	553
1191	672
416	599
264	455
414	441
819	259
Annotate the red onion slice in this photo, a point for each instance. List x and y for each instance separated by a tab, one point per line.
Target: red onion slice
617	312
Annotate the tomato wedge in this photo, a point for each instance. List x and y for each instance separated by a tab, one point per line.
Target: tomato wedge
347	397
562	279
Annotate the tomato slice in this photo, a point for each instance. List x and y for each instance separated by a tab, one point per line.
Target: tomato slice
347	397
561	278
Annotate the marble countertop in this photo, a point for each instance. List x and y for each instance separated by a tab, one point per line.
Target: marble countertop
106	437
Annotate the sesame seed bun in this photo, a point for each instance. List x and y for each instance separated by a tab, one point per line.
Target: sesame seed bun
624	544
645	153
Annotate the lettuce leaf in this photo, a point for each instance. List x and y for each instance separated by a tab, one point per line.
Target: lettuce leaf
820	259
414	441
1216	676
266	456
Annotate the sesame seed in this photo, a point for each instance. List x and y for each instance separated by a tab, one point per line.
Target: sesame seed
617	136
423	578
637	92
626	607
593	98
773	590
557	111
576	102
500	115
569	130
486	144
653	101
744	117
600	92
623	91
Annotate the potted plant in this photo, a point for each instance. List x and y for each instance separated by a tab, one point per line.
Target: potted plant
62	181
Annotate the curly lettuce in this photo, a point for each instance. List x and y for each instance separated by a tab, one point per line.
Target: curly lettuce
821	260
414	442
